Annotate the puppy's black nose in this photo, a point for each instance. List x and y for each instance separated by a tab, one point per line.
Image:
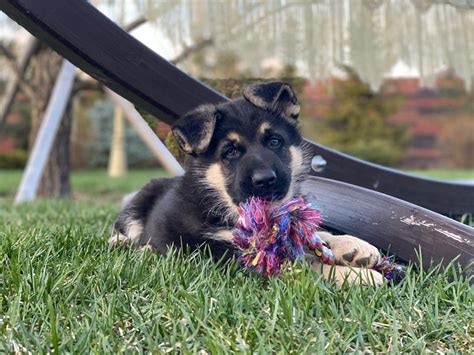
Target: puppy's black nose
263	178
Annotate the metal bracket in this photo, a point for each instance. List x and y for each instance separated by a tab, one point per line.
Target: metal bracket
318	164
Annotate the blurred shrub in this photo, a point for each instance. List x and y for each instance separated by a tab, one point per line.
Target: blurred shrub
15	159
232	88
356	123
18	123
378	151
457	141
174	149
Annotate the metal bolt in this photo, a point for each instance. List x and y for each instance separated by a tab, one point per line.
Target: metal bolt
318	164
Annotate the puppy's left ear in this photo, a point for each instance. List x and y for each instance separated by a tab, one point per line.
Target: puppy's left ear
193	131
276	97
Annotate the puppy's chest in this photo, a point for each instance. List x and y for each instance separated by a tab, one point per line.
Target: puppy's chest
196	213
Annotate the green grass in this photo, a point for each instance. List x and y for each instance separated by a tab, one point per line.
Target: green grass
63	290
446	174
89	185
9	181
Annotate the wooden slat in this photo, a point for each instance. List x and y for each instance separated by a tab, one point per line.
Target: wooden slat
390	223
147	135
44	141
98	46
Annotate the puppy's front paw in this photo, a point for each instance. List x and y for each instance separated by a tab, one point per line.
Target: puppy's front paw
118	240
349	250
358	275
346	274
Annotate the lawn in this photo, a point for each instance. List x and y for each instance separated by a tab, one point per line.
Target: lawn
446	174
89	185
63	290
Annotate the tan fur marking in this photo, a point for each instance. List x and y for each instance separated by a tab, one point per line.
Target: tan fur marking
215	179
296	169
118	240
133	234
222	235
250	94
187	148
134	230
146	247
341	274
293	110
296	160
233	136
180	137
206	138
263	127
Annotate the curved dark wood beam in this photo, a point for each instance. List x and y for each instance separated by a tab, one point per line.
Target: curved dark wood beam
390	223
449	198
83	35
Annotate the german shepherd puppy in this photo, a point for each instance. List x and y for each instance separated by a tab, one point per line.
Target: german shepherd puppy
246	147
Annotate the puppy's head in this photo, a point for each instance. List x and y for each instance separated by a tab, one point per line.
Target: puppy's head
246	147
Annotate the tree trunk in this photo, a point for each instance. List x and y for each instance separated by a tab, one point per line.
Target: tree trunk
55	180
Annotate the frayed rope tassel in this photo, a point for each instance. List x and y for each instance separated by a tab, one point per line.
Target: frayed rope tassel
270	237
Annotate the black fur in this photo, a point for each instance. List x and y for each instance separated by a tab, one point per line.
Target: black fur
225	140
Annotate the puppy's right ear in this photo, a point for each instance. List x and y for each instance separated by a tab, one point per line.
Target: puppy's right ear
193	131
275	97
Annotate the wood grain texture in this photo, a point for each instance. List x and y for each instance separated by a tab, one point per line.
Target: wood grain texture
390	223
99	47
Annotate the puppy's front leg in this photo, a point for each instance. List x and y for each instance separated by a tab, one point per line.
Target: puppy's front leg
351	251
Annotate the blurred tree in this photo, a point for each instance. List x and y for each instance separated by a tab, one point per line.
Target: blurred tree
356	122
457	142
36	78
370	35
227	65
289	71
37	74
43	73
17	70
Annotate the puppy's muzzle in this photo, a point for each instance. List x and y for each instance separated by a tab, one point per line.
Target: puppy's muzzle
263	178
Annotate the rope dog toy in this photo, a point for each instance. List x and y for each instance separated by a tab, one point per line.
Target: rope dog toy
270	237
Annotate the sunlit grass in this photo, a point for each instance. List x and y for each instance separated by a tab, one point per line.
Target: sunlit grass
89	185
447	174
61	288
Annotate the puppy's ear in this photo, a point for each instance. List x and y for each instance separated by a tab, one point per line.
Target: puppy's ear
276	97
193	131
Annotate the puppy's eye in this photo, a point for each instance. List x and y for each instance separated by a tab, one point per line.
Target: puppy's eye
274	142
231	152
